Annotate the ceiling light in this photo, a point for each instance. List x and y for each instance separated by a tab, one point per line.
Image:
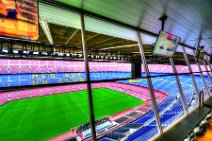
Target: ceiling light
44	25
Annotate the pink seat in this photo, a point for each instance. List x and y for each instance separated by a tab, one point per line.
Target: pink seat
203	68
53	90
63	89
36	92
14	95
52	69
4	69
76	88
25	66
52	66
82	87
4	97
194	68
60	69
66	66
4	62
38	66
25	62
70	88
66	69
45	91
24	93
34	68
14	69
78	67
43	69
58	88
25	69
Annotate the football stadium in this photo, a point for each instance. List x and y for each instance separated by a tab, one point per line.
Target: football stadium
74	70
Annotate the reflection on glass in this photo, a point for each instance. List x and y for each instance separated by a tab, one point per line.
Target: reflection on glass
114	54
56	107
44	112
110	50
190	95
145	118
171	107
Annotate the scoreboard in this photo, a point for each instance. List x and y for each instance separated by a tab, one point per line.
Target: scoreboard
19	19
166	44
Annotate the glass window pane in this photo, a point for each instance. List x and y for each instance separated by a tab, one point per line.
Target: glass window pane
108	50
146	112
170	108
127	103
189	92
50	109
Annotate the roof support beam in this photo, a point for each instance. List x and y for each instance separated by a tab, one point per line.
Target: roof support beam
101	41
123	46
72	35
88	38
92	36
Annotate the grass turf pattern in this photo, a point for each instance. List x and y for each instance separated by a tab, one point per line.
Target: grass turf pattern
42	118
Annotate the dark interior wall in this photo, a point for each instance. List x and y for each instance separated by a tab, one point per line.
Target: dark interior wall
136	69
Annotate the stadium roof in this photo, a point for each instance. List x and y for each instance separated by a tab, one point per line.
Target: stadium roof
63	26
189	19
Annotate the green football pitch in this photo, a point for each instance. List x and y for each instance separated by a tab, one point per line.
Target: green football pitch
42	118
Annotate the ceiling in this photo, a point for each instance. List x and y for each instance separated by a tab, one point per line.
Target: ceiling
64	27
61	28
63	35
189	19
